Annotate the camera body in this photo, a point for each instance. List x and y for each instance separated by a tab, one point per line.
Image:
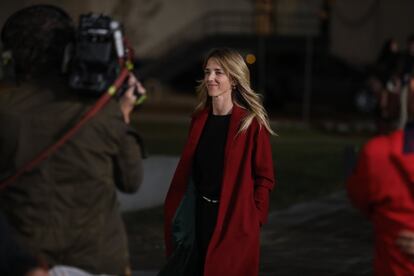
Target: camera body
92	61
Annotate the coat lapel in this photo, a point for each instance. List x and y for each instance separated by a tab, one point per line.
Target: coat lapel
235	120
198	125
184	168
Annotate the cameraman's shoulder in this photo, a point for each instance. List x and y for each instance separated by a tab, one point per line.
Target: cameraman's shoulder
110	116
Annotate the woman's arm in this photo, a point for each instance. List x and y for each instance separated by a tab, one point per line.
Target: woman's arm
263	172
128	165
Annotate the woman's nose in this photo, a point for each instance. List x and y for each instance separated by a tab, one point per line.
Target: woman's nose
210	76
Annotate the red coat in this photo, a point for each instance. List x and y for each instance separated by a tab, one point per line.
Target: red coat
244	199
382	187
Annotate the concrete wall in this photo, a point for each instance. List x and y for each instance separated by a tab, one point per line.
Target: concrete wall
179	16
297	17
148	23
359	27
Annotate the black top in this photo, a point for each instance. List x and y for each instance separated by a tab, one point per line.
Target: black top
209	156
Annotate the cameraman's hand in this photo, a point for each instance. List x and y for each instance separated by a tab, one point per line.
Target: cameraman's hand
127	101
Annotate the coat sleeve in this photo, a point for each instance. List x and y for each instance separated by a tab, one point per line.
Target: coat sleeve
359	184
263	172
174	196
128	167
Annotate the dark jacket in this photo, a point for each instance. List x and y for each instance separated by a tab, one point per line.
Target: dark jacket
13	259
66	208
244	200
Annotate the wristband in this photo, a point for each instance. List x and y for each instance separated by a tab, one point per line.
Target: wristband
140	100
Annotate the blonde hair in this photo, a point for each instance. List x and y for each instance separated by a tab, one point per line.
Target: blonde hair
243	95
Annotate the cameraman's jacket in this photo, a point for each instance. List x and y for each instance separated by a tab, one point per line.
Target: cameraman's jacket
66	207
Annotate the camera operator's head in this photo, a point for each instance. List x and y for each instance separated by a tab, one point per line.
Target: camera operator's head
37	36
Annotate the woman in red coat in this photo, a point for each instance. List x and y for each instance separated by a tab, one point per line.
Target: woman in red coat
219	195
382	187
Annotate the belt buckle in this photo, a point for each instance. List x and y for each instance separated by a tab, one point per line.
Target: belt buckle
210	200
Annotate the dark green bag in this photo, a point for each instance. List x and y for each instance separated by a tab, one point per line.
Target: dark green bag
183	260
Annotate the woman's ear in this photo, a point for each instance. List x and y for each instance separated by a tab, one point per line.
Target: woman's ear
233	83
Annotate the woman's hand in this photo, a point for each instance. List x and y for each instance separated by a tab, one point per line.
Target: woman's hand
405	242
128	99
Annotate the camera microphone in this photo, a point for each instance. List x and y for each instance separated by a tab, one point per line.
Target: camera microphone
119	45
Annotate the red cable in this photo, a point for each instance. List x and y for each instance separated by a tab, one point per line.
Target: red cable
102	101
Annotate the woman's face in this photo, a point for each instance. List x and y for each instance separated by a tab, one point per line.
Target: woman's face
216	79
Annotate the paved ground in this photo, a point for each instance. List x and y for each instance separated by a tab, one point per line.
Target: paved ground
158	171
323	237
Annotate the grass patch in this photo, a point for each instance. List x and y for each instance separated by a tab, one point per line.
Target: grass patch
308	163
163	138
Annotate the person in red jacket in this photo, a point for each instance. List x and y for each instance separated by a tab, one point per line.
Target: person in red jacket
382	187
219	195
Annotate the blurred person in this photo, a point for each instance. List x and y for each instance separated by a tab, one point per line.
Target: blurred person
407	67
387	60
65	209
406	237
13	259
408	56
384	85
386	102
219	196
382	187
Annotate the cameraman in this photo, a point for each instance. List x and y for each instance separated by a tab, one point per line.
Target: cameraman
65	209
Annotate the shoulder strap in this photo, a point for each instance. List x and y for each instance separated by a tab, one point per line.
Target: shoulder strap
102	101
